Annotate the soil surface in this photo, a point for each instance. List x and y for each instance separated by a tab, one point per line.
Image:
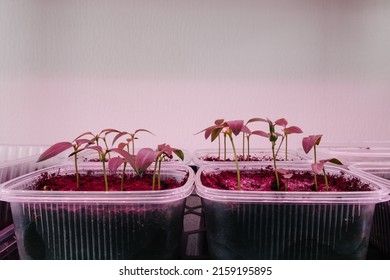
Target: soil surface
245	158
92	182
264	180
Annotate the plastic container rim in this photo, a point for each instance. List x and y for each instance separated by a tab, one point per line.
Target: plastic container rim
379	194
9	191
202	152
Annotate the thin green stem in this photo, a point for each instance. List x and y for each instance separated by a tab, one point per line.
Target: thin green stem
286	149
76	170
159	173
275	168
123	175
326	179
248	156
280	145
236	160
219	147
132	147
103	158
154	174
243	145
315	174
224	146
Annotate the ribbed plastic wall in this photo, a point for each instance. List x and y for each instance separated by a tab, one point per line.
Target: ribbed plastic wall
83	232
380	234
288	231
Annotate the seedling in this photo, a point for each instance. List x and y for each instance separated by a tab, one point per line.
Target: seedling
273	137
163	151
229	128
63	146
286	131
102	153
311	142
144	158
215	131
133	137
249	134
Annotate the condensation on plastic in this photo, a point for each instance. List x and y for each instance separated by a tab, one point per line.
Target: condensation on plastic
378	194
199	155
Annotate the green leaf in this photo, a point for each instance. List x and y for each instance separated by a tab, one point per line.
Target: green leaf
215	133
179	153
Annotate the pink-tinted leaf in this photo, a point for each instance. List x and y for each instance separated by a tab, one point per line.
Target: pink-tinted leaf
309	142
144	158
219	122
165	149
128	158
143	130
256	120
122	145
235	126
99	149
317	167
119	135
86	133
54	150
80	142
292	129
261	133
114	163
281	122
245	129
287	174
108	131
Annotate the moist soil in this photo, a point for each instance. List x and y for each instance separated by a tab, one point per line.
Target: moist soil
93	182
264	180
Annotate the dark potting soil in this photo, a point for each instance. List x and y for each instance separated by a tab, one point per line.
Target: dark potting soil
264	180
92	182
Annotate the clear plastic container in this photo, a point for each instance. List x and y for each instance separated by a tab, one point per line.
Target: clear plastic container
355	152
380	233
16	161
98	225
288	225
200	156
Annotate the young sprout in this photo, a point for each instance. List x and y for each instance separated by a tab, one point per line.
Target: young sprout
133	137
273	137
102	154
229	128
286	131
311	142
163	151
63	146
139	162
215	132
249	134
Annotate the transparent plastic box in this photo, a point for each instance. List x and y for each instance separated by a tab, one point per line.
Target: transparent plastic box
258	155
380	233
355	152
98	225
17	160
288	225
